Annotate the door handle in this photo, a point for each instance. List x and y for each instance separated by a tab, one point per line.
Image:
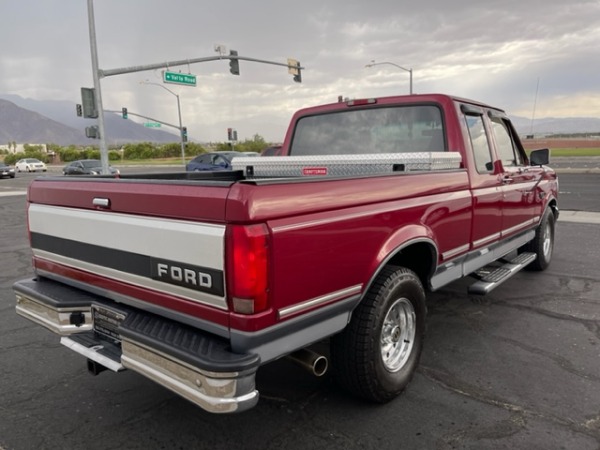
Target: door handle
507	179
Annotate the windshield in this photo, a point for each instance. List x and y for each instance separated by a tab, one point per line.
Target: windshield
398	129
92	163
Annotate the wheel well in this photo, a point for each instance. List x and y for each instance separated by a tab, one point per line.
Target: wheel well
554	208
419	257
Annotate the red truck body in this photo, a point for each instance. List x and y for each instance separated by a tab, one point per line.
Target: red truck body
249	269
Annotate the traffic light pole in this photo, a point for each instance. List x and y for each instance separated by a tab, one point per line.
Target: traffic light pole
180	131
99	73
97	91
181	138
185	62
146	117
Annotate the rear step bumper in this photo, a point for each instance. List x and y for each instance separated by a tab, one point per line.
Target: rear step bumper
194	364
490	279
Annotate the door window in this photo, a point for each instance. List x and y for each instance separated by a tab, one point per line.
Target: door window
505	146
479	143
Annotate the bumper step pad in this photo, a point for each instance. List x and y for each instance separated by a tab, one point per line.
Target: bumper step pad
195	364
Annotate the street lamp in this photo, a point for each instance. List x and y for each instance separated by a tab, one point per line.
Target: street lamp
410	71
178	112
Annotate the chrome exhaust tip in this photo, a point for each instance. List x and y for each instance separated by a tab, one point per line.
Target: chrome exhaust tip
313	362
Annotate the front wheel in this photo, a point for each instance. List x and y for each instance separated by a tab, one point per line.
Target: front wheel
378	352
543	243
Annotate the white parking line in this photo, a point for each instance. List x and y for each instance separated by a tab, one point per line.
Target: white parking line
12	193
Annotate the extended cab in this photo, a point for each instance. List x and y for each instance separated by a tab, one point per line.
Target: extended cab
195	280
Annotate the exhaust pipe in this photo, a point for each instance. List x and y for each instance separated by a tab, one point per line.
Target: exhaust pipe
311	361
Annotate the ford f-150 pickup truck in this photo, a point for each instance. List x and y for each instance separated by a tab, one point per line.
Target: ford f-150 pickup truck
196	280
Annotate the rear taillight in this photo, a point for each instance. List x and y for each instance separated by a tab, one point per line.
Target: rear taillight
247	254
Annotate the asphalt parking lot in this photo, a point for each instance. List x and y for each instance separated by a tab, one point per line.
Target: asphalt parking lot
518	368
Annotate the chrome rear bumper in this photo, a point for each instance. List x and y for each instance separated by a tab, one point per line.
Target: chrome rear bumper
196	365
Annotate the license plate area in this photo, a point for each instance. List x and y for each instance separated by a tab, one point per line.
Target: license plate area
106	322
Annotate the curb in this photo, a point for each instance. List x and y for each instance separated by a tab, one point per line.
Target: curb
579	217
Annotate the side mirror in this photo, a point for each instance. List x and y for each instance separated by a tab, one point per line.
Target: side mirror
539	157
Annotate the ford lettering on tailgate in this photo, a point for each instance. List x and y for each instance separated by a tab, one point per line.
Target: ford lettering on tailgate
188	276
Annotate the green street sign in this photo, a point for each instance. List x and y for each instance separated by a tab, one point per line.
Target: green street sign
187	79
152	124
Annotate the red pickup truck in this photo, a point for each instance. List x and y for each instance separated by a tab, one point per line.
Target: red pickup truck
195	280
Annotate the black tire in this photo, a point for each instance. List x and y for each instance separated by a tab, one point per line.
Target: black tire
543	243
375	356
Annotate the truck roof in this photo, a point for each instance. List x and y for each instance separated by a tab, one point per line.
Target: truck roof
414	98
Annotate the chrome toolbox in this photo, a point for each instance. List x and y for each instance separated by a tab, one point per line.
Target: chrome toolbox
344	165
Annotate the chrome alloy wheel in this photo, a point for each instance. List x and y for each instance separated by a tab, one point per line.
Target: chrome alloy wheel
398	334
547	239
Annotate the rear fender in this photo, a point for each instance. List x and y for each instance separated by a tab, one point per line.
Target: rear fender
412	247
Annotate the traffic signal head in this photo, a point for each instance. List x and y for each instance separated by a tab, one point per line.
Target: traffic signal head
230	134
92	132
79	109
294	69
88	103
184	136
124	111
298	76
234	63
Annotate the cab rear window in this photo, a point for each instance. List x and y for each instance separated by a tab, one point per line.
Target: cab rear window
399	129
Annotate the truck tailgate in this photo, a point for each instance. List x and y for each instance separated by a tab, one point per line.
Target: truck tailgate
158	245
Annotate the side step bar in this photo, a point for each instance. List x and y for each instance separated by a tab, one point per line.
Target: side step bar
490	278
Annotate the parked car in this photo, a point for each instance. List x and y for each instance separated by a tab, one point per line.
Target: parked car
30	165
215	161
87	167
6	171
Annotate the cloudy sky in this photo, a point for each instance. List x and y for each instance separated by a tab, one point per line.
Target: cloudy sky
497	52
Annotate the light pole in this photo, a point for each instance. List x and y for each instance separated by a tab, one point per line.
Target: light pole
410	71
178	112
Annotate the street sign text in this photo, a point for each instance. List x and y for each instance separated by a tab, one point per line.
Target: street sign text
186	79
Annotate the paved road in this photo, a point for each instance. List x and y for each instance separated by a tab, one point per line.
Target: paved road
564	164
516	369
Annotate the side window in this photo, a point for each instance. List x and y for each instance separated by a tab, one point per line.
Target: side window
479	143
505	146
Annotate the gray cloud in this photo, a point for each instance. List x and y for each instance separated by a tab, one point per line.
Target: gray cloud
491	51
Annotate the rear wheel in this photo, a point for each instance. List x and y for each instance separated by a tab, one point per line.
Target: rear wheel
543	243
376	355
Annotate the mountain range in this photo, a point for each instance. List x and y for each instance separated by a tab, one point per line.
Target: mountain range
35	122
41	122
